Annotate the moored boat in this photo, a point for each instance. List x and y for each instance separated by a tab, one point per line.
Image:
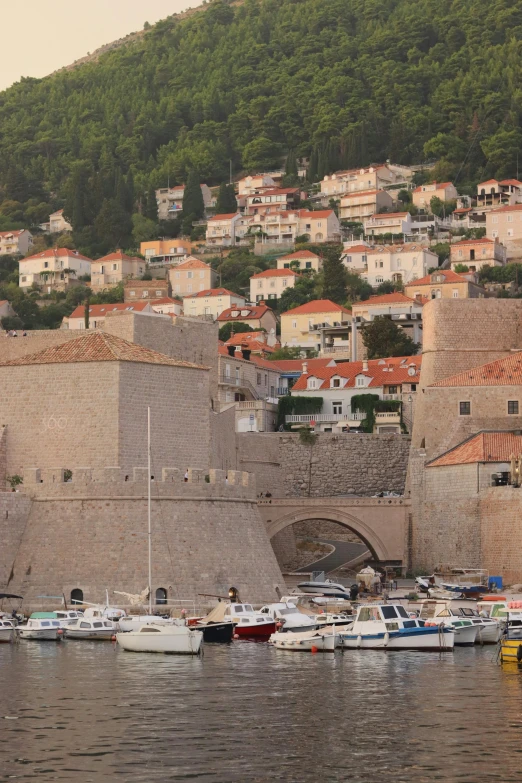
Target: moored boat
288	617
215	627
442	613
154	638
134	622
326	588
7	631
249	623
41	626
389	627
92	629
306	641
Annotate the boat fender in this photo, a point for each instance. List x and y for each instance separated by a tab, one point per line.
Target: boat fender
519	653
314	649
359	641
386	638
113	638
236	636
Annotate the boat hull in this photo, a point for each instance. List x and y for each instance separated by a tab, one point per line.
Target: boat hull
170	644
422	639
489	633
321	643
91	635
263	631
217	633
7	635
511	650
466	636
44	634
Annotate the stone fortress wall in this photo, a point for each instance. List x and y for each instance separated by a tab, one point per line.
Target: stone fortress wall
91	533
458	517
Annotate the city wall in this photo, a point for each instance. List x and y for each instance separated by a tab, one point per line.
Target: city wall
91	533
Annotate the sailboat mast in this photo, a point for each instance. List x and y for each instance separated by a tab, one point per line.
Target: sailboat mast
149	509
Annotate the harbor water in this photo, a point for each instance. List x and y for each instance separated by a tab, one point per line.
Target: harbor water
86	711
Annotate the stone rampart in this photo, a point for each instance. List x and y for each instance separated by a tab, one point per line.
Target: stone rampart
336	465
14	514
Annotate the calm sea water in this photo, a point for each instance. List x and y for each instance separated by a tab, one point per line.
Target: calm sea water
86	711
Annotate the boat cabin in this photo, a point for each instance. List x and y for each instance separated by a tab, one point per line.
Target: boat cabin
39	620
96	624
393	616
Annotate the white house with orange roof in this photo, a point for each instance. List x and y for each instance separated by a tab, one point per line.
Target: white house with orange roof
253	182
212	302
399	263
221	229
18	242
393	379
270	200
369	178
114	268
422	195
476	253
191	277
166	305
445	284
401	309
359	205
259	343
53	269
498	193
301	261
57	223
98	314
258	316
505	225
271	283
299	326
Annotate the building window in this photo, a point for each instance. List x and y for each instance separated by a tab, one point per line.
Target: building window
114	267
285	281
133	293
513	407
145	294
465	408
228	397
308	265
392	390
360	381
294	324
24	279
510	218
161	596
46	264
260	284
311	383
177	275
259	379
413	387
455	294
202	274
336	383
189	275
337	407
76	596
159	293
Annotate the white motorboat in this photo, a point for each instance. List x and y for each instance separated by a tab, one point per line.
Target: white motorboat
490	630
154	638
503	612
7	630
326	588
91	628
288	617
389	627
442	613
335	619
307	641
41	626
133	622
67	616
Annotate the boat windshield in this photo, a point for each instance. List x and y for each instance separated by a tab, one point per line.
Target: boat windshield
498	611
288	611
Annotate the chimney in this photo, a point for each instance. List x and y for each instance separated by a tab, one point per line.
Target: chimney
418	297
231	350
365	366
305	368
245	352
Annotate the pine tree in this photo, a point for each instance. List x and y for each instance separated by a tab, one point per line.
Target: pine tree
150	205
291	164
16	187
226	200
334	287
311	174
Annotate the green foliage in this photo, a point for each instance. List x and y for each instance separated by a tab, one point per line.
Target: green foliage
461	268
501	274
307	437
388	287
382	337
334	275
143	229
261	154
404	196
442	249
14	481
442	208
288	406
370	404
226	201
286	352
304	290
238	327
291	164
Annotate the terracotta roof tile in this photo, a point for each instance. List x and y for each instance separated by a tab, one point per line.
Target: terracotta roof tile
299	254
192	263
224	216
483	447
212	292
254	312
98	347
394	298
58	252
119	255
502	372
95	311
512	208
382	372
318	306
449	277
276	273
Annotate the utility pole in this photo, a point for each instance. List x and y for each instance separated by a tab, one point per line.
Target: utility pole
231	171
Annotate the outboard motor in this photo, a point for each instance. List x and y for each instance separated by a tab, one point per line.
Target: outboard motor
354	592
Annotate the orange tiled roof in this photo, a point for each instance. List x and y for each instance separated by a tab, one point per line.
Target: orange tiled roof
275	273
299	254
212	292
382	372
385	215
98	347
224	216
395	298
103	309
483	447
436	186
165	300
14	233
318	306
254	312
58	252
193	263
321	213
119	255
481	241
512	208
449	277
357	249
258	360
502	372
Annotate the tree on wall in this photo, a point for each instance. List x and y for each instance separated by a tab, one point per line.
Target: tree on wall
382	338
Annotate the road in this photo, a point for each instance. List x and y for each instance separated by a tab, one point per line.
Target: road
344	552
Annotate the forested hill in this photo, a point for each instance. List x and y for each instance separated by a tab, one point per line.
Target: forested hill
367	80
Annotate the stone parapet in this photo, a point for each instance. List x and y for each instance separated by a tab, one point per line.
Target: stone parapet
93	483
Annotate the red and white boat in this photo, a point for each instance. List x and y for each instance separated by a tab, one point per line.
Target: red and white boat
249	623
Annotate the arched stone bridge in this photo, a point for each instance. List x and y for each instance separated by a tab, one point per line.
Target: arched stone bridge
382	523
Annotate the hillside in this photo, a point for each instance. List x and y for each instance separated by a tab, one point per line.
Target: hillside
356	80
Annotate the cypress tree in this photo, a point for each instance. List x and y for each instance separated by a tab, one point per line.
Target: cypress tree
226	200
193	204
291	164
312	166
334	276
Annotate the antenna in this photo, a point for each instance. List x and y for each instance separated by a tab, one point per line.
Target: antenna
148	509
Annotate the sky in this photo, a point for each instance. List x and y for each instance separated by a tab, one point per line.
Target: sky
51	35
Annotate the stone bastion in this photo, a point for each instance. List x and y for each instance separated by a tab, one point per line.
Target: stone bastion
89	533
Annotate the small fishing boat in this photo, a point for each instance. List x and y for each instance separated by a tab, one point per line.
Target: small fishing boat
389	627
288	617
154	638
505	613
67	616
92	629
41	626
307	641
7	630
442	613
249	623
215	627
334	619
133	622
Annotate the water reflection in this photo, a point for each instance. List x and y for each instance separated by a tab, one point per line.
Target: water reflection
86	711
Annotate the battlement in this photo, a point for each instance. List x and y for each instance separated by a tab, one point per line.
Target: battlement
114	481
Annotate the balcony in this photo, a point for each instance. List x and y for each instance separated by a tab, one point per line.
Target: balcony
307	418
